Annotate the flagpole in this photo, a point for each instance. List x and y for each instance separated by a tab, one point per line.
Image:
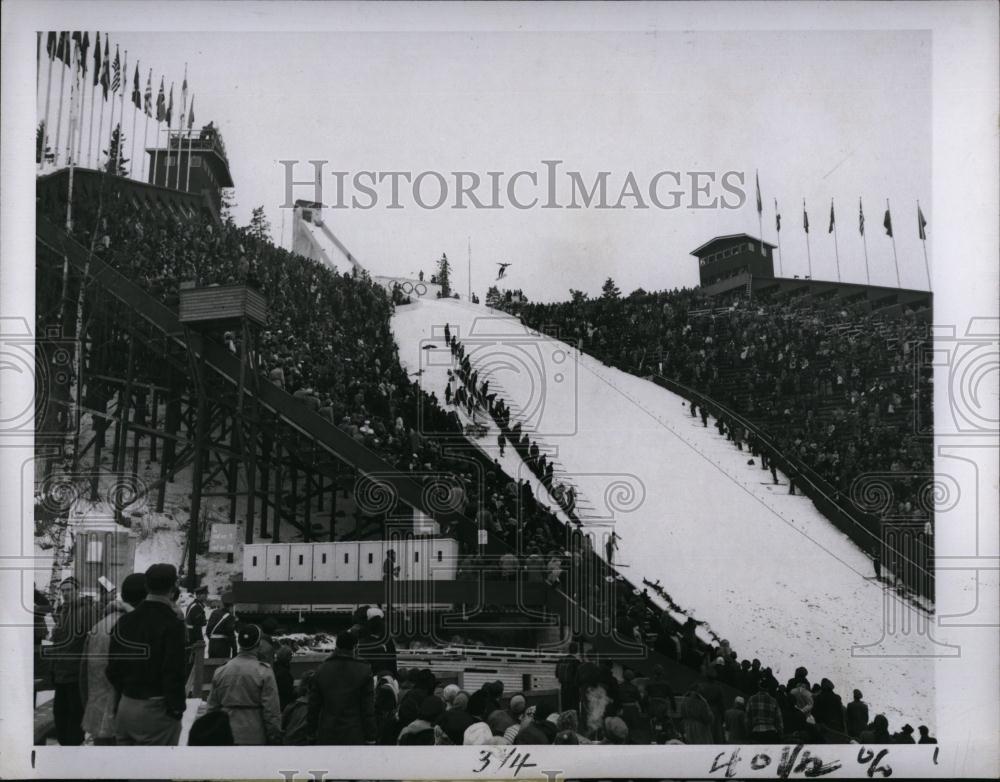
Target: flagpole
100	127
145	130
180	127
892	236
187	174
48	98
836	249
83	105
62	84
90	135
777	225
923	241
121	114
156	151
808	250
69	146
864	239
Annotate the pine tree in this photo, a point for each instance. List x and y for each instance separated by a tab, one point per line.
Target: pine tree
609	290
577	297
228	203
444	276
493	298
113	164
260	226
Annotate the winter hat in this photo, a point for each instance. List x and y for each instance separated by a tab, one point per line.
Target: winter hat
517	704
134	589
283	654
373	612
738	701
248	637
461	701
478	733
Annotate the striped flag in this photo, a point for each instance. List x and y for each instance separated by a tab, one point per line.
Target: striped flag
136	95
106	70
832	218
161	104
861	218
777	216
170	106
921	224
116	78
191	114
148	97
52	44
760	206
887	223
805	218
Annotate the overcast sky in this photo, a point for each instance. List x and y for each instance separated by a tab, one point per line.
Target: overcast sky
821	115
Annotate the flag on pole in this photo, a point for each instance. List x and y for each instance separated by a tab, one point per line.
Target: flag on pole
184	88
116	77
832	218
170	106
760	206
161	104
106	70
62	49
97	60
921	224
777	216
191	114
148	97
136	95
887	223
52	45
805	218
861	218
82	40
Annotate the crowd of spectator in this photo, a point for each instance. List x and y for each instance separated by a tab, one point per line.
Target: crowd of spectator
834	385
360	695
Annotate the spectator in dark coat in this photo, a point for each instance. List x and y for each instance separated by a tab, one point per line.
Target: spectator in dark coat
295	716
828	709
566	668
74	618
736	722
375	645
341	704
151	682
420	731
925	736
454	721
282	669
877	732
857	716
905	736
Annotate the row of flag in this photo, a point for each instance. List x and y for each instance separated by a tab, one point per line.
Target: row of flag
831	229
111	75
886	220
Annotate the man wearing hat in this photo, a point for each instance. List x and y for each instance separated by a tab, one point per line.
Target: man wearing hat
342	700
146	665
194	625
245	689
221	630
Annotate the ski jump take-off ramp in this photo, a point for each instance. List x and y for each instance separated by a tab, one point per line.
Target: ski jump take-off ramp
312	237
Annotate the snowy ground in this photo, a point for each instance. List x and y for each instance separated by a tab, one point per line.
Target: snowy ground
763	568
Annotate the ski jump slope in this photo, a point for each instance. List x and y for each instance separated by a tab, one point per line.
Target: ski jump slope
764	569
